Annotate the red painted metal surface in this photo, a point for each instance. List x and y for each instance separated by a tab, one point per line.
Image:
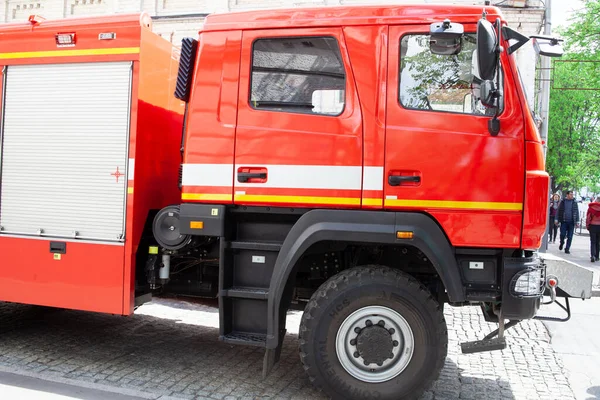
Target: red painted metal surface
459	161
212	115
473	184
295	139
367	47
346	16
88	277
155	140
97	276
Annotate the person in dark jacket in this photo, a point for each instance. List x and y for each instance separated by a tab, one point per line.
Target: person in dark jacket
567	215
552	227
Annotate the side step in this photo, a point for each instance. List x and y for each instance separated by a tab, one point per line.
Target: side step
493	341
248	339
246	293
479	346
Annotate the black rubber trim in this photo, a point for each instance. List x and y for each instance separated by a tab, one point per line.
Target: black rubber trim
360	227
187	60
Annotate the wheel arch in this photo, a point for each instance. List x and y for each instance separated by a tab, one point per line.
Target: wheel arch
370	227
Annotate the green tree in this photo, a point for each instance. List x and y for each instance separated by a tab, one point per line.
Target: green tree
574	127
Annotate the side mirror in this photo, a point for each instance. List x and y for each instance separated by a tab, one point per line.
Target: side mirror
487	54
546	46
489	94
446	38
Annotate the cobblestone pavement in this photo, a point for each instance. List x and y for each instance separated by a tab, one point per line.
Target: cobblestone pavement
169	350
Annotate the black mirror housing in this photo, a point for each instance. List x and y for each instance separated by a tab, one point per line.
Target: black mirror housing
489	94
446	38
546	46
487	50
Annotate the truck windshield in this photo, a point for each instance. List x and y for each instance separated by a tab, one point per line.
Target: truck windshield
438	82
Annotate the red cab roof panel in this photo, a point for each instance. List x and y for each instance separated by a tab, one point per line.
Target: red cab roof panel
346	16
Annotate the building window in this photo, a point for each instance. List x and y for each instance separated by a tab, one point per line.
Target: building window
437	82
299	75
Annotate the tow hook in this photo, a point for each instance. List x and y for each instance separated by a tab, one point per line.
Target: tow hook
551	284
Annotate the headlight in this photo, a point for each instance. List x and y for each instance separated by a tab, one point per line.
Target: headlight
527	283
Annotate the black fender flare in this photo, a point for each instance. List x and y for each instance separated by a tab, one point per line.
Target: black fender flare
360	227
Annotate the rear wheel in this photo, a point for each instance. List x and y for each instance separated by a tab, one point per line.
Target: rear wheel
373	332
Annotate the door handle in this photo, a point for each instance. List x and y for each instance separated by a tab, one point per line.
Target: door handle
252	175
397	180
246	176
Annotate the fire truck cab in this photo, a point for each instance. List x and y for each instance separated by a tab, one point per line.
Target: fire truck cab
367	165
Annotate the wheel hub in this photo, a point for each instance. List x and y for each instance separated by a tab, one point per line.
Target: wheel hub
374	344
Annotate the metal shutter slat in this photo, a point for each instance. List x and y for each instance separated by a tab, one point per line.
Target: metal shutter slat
66	130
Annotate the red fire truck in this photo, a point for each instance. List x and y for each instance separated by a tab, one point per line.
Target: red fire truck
367	165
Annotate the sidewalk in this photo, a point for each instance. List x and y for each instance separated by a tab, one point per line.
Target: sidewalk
577	339
580	254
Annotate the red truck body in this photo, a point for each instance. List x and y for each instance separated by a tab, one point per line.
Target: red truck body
95	274
344	162
364	164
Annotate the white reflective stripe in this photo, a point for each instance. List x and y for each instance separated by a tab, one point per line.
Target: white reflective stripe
308	177
373	179
207	175
130	169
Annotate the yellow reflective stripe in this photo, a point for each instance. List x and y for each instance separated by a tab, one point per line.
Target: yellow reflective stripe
206	196
298	199
460	205
70	53
350	201
129	190
372	202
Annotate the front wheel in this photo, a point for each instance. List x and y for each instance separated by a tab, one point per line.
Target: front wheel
373	332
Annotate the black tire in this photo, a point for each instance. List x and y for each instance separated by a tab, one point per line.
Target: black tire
360	287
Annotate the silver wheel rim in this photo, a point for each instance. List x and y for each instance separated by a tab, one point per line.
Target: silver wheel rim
401	336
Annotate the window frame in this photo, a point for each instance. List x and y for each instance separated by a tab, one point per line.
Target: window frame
502	76
251	66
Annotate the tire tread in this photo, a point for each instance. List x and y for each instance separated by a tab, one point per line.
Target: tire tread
361	274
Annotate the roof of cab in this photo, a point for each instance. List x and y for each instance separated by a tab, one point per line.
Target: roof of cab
346	16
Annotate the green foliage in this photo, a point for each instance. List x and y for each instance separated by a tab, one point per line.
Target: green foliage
574	127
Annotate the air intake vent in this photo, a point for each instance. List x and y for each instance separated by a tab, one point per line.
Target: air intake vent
189	48
180	183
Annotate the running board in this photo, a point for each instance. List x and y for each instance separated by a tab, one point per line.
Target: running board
480	346
493	341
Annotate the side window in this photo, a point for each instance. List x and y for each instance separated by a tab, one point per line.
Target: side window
437	82
300	75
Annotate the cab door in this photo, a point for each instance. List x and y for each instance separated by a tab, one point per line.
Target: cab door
440	156
299	130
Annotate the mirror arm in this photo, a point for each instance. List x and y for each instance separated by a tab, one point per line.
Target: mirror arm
494	126
494	123
511	34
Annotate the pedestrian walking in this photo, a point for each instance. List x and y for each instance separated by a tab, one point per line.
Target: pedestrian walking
567	215
592	223
552	226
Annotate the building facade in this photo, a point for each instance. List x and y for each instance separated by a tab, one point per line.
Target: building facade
175	19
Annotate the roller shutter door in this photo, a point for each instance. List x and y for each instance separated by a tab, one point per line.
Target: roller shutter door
65	149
